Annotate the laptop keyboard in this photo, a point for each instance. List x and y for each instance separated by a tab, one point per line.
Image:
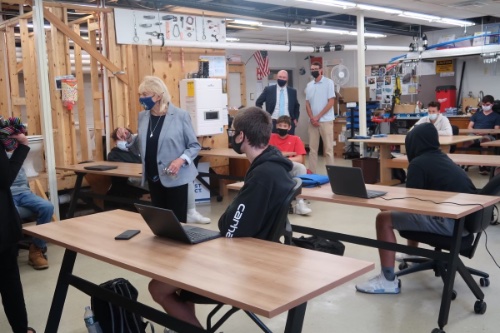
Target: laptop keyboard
199	234
374	194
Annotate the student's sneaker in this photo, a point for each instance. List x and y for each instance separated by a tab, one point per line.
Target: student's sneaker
379	285
484	170
301	208
400	257
194	217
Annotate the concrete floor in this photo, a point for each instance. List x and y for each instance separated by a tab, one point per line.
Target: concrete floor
340	310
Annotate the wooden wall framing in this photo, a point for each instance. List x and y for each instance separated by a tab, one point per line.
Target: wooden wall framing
123	68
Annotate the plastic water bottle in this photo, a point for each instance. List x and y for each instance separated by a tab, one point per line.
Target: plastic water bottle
92	325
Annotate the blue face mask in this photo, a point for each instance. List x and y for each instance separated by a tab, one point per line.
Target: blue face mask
147	102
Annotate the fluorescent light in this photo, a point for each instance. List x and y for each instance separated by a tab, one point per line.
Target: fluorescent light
246	22
346	32
341	4
232	39
419	16
379	9
460	23
282	27
330	31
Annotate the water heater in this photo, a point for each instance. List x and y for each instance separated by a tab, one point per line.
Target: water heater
206	104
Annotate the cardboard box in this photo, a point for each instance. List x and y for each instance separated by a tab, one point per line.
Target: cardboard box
350	94
469	102
404	108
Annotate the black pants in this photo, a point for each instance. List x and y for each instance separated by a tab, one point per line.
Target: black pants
11	290
173	198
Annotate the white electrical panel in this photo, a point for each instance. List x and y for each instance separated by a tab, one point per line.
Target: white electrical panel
204	101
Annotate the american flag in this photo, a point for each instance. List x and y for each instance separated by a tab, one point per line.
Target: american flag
262	60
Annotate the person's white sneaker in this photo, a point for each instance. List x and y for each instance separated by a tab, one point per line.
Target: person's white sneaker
379	285
194	217
402	256
301	208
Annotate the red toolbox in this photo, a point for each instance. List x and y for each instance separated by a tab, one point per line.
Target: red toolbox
447	96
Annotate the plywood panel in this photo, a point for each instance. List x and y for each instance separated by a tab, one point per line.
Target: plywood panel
12	66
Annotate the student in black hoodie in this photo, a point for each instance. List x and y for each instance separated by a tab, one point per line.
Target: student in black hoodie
429	169
253	210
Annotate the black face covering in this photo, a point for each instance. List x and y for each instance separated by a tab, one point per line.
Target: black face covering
315	74
281	82
237	146
282	131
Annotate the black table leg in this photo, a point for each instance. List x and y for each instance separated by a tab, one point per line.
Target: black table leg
61	291
451	271
75	195
295	319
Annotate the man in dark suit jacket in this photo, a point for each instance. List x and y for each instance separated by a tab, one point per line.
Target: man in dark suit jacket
272	96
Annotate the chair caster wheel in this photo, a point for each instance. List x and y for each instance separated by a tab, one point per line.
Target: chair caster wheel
480	307
453	295
219	198
484	282
403	265
438	330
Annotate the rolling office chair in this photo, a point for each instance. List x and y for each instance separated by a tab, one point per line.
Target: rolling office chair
475	224
275	235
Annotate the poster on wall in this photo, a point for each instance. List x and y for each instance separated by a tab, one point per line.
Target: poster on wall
140	26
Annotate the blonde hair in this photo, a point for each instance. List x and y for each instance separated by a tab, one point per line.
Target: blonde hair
153	84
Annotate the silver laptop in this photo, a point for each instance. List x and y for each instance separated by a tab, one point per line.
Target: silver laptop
349	181
164	223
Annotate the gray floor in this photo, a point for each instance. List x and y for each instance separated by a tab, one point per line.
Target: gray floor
340	310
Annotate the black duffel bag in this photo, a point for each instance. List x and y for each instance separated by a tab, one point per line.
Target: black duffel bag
320	244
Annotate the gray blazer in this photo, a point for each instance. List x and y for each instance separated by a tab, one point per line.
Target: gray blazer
177	139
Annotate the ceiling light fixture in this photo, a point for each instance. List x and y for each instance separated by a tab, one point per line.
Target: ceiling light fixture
419	16
282	27
379	9
245	22
232	39
340	4
460	23
346	32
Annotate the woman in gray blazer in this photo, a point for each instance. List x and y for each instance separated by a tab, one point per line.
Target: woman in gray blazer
167	145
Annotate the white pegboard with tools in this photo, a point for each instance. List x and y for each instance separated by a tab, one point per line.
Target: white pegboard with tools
139	26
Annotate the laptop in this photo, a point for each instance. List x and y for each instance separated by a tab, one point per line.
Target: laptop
164	223
100	167
349	181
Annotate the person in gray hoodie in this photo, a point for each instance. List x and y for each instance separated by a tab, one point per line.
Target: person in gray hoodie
429	169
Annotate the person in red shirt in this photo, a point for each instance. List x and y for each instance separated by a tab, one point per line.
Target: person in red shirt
291	143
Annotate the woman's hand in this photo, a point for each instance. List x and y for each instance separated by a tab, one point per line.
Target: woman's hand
122	133
176	165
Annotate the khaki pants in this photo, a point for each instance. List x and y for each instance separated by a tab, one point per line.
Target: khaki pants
325	129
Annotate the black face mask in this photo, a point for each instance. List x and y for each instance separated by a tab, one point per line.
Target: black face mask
315	74
281	82
237	146
282	131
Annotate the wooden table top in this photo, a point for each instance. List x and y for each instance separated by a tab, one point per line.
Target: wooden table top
399	139
263	277
478	131
123	169
460	159
229	153
495	143
407	203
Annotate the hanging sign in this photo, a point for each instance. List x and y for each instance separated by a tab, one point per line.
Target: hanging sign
444	66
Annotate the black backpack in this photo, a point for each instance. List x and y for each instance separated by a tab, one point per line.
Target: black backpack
114	319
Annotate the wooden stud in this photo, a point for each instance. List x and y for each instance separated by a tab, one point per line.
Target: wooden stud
82	114
96	100
4	78
14	78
